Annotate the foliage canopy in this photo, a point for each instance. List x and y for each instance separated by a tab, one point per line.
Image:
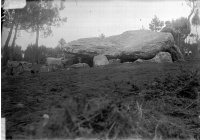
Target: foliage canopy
156	24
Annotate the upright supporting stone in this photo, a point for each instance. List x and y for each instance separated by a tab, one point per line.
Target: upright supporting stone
100	60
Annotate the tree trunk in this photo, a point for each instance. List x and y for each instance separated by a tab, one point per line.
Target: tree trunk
6	50
36	45
189	24
9	35
197	33
13	44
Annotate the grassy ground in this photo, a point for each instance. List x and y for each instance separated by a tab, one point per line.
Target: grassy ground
27	97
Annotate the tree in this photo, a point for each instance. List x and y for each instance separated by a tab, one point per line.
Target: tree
61	42
30	53
196	22
13	43
59	48
102	36
9	23
41	17
17	53
180	25
20	19
14	18
193	4
42	54
156	24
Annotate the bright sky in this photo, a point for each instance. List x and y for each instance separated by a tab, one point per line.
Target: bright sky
90	18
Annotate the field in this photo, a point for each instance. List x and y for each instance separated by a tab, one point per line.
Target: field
144	100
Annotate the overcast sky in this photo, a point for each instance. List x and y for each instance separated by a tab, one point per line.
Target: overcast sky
91	18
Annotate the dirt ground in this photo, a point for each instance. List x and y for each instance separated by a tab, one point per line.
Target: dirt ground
27	97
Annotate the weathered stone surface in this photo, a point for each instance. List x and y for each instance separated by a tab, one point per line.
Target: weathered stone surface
14	64
114	61
128	46
70	61
139	61
79	65
51	61
100	60
45	68
58	63
161	57
18	67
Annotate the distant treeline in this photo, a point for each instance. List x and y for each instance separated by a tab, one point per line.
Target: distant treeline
29	54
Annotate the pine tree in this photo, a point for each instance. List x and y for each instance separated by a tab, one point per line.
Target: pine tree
156	24
41	16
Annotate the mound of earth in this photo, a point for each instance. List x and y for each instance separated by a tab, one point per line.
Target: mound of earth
128	46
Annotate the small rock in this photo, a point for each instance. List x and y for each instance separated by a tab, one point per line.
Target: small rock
20	105
154	84
128	62
114	61
79	65
45	116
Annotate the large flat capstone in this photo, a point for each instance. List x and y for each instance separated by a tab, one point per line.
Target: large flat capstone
128	46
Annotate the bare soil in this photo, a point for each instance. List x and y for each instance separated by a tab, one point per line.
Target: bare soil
27	97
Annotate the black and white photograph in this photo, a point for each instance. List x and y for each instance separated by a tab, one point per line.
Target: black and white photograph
100	69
